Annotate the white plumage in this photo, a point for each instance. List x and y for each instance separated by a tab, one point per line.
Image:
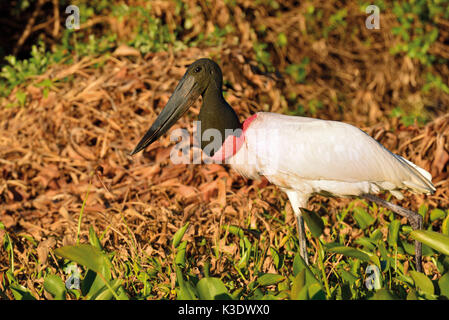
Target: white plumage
306	156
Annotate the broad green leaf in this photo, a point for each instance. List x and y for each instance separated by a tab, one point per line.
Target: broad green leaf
373	258
20	292
92	285
436	214
343	292
95	260
347	276
366	243
276	258
121	294
435	240
269	279
363	218
384	254
376	235
422	210
180	259
212	289
410	249
299	289
314	222
315	292
55	285
179	234
350	252
443	283
185	290
107	293
298	264
384	294
422	282
393	232
88	256
270	296
237	293
257	294
412	295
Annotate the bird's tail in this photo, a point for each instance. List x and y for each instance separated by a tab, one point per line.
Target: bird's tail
420	179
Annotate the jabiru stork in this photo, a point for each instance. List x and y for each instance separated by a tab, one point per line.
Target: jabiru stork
302	156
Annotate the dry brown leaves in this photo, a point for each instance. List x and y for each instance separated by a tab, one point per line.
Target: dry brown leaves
78	137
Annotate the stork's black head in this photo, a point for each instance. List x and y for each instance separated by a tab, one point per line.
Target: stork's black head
206	73
203	77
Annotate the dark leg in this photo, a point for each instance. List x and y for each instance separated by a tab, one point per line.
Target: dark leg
302	237
414	219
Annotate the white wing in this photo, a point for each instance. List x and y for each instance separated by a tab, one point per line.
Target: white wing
326	156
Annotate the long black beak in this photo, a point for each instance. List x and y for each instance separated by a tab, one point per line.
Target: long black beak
183	97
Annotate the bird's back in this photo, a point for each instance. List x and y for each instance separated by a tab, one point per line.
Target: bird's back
313	155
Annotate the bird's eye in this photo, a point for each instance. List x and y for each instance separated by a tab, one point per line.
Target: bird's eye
197	69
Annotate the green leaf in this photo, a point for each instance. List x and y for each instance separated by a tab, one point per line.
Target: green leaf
367	243
350	252
179	234
20	292
422	210
376	235
237	293
21	97
92	285
445	226
93	239
436	214
244	259
121	293
282	39
185	290
384	294
412	295
443	283
180	259
55	285
298	264
393	232
277	259
88	256
363	218
212	289
410	249
299	288
314	222
347	276
107	293
269	279
435	240
315	292
234	230
422	282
